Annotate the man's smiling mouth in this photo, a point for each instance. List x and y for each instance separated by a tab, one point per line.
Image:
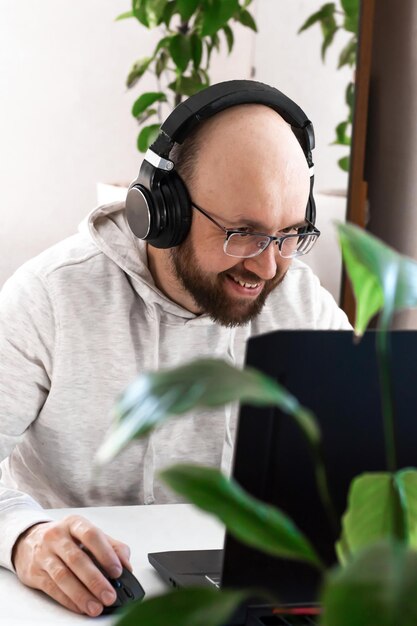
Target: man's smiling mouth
245	284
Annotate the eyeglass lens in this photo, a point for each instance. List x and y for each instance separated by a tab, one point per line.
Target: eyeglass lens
248	245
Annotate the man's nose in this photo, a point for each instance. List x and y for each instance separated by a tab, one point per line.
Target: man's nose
265	264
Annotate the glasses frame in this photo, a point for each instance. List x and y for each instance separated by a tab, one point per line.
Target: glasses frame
271	238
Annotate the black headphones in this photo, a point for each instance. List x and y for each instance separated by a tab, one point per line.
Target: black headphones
158	206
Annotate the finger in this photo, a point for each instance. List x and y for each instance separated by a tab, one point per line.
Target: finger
97	543
72	587
122	550
48	586
84	568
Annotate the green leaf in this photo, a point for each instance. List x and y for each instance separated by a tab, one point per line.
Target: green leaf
147	136
350	95
344	163
229	37
161	63
186	8
187	85
184	607
366	288
137	71
124	16
380	506
376	270
215	41
180	49
196	49
329	29
255	523
146	115
245	18
139	11
155	11
146	100
348	54
169	11
216	15
377	588
351	9
323	13
152	398
342	138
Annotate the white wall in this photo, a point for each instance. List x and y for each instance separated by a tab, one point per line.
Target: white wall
65	120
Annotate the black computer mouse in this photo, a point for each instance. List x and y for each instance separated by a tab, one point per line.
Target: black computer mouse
127	588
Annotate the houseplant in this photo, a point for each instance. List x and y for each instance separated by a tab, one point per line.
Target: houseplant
333	18
190	31
377	581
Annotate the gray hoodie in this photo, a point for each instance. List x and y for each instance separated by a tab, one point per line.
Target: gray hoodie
77	324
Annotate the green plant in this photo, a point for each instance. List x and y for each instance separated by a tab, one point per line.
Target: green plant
180	62
333	18
376	581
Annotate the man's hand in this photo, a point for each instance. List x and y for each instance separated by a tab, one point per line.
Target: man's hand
49	557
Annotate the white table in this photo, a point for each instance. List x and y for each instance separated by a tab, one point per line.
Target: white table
145	529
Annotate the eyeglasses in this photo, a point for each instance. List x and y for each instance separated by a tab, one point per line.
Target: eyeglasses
243	245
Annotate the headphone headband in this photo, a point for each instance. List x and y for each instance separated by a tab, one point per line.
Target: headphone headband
204	104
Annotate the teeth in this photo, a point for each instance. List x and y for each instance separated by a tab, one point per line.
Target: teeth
247	285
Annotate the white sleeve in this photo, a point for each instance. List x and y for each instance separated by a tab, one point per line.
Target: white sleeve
27	330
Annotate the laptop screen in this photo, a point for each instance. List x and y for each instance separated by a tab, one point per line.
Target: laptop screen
338	380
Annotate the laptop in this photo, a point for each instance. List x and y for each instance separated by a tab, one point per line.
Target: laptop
337	378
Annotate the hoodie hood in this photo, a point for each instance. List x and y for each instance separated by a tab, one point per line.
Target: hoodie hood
108	228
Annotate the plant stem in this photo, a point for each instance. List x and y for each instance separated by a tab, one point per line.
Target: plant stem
387	396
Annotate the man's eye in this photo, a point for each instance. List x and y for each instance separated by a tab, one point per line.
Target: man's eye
291	230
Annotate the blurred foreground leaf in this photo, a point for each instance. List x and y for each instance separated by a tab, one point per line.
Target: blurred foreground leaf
249	520
184	607
380	506
378	588
380	276
154	397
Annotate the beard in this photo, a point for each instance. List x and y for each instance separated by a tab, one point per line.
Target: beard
209	294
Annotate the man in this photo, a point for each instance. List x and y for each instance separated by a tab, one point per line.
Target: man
83	318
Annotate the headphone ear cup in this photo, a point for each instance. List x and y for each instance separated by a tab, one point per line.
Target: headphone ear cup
174	208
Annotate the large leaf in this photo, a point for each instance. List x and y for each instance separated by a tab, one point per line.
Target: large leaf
184	607
255	523
380	505
380	276
378	588
153	397
180	49
216	15
146	100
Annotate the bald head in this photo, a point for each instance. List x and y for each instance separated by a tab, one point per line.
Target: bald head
249	155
